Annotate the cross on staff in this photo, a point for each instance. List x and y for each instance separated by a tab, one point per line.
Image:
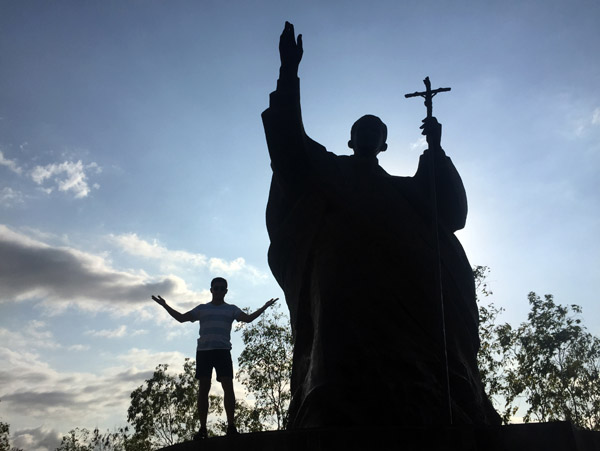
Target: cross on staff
428	95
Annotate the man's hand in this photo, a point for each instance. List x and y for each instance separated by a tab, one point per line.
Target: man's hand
432	130
290	50
159	300
270	302
181	317
248	318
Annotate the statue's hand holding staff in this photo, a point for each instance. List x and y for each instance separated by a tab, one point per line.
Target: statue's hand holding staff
432	130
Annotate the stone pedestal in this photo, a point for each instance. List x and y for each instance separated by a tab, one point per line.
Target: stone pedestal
560	436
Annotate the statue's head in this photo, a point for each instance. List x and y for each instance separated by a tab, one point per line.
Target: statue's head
367	136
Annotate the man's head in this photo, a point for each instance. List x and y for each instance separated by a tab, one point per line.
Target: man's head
367	136
218	287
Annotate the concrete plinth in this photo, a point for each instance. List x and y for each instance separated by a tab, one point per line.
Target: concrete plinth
559	436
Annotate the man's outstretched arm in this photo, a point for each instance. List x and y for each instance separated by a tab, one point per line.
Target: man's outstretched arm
249	317
181	317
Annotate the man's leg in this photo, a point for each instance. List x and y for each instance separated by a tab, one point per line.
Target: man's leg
203	390
229	402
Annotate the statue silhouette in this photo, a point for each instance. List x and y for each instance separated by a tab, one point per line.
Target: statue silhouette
351	247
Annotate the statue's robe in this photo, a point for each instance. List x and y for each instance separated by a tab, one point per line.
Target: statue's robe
352	248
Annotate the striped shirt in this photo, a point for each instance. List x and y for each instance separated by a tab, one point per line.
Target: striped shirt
215	325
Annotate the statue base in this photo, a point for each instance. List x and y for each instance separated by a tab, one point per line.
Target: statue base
559	436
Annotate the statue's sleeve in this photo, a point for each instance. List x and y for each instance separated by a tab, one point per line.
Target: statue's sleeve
292	152
450	191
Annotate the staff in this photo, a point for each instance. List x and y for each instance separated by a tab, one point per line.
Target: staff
428	95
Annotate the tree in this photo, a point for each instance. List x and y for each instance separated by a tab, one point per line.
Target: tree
247	419
163	411
495	352
5	437
76	440
557	365
265	366
551	361
83	440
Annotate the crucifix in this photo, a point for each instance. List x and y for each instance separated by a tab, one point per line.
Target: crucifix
428	95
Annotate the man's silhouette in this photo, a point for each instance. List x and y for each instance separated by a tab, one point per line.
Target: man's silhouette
351	246
214	347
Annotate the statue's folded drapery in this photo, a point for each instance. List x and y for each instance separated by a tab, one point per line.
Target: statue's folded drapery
352	248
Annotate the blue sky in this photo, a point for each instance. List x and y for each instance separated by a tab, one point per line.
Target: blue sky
133	162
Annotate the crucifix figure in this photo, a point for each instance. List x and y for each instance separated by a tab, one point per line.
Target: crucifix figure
428	95
352	250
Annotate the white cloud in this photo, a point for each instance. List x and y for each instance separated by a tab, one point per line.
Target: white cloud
10	164
176	333
419	145
36	439
9	197
583	123
31	335
596	117
219	265
31	269
68	176
78	347
137	332
137	358
119	332
173	259
35	332
33	392
133	245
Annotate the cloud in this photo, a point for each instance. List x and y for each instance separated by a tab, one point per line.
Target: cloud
144	358
107	333
119	332
9	197
68	176
10	164
39	400
32	333
78	347
596	117
419	144
583	123
38	439
132	244
31	269
34	392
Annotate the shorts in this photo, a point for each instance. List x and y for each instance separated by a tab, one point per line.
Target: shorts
219	359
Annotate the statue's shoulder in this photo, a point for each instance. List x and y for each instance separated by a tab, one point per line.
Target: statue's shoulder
401	179
341	159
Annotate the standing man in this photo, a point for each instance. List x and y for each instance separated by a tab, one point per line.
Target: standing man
214	347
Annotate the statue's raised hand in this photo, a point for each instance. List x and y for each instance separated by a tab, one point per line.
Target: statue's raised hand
290	50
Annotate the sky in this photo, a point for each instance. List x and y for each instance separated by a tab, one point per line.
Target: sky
133	162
